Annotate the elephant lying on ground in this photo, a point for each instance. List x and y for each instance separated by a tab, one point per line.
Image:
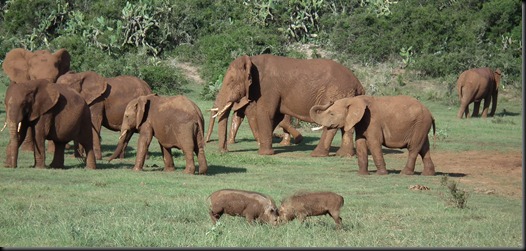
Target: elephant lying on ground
50	112
174	121
391	121
250	112
21	65
285	86
475	85
106	97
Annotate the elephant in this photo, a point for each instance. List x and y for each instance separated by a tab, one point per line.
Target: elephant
391	121
250	112
106	97
21	65
51	112
475	85
176	121
285	86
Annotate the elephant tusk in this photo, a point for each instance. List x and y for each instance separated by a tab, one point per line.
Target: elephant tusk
215	109
122	134
5	124
19	126
220	113
316	128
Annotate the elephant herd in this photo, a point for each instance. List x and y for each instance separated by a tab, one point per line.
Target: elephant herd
47	101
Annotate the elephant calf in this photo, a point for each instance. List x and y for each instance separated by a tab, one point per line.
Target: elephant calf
305	204
175	121
251	205
391	121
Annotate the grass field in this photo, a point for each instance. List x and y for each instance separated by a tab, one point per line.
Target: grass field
116	207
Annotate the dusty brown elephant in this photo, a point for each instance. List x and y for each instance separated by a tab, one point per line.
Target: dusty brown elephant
285	86
250	112
175	121
391	121
475	85
51	112
21	65
106	97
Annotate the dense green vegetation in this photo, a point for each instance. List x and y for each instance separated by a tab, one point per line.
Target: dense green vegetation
437	39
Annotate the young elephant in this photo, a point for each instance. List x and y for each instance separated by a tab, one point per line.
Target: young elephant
305	204
251	205
175	122
51	112
392	121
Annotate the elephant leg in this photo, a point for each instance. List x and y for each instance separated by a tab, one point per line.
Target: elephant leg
168	159
323	147
237	119
39	148
58	155
425	153
189	159
361	154
85	141
375	147
145	138
201	160
476	107
347	146
285	141
97	147
27	144
485	108
266	129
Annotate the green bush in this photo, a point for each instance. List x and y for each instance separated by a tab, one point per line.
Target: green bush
163	79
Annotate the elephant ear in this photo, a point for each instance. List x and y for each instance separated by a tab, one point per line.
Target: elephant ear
16	65
45	97
142	102
246	68
356	108
64	60
90	85
242	103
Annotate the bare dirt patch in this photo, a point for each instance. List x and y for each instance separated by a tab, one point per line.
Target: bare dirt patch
486	172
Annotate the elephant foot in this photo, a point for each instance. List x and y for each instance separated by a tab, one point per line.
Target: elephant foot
407	171
169	169
56	166
285	142
298	139
345	153
187	171
319	153
381	171
363	172
428	172
137	169
265	151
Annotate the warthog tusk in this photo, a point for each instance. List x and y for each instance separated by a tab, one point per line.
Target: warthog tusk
214	109
5	124
122	134
220	113
19	126
316	128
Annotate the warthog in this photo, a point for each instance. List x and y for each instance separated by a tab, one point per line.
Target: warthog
304	204
251	205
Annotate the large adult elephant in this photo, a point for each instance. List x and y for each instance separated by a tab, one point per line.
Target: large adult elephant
106	97
175	121
282	85
249	111
51	112
21	65
391	121
475	85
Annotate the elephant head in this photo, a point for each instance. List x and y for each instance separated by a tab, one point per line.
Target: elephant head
25	102
343	113
235	93
133	119
21	65
89	84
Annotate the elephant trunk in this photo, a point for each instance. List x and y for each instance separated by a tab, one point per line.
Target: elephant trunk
316	111
123	141
15	141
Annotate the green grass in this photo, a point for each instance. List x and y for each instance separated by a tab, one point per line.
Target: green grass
116	207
